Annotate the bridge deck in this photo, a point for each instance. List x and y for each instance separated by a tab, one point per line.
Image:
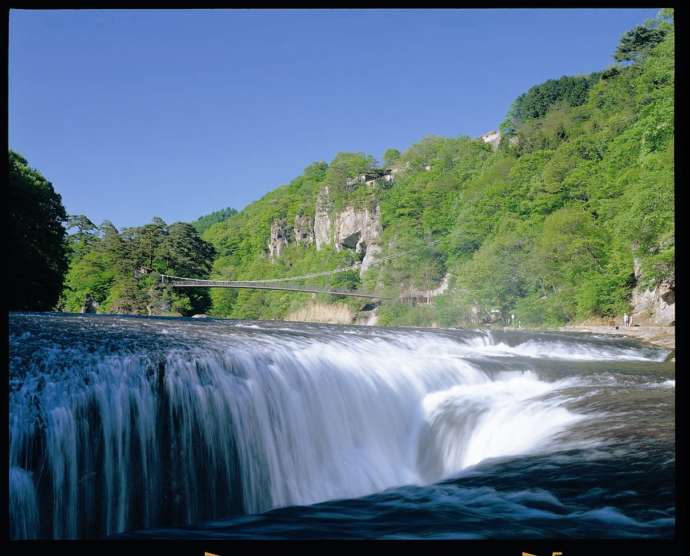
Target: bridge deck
253	286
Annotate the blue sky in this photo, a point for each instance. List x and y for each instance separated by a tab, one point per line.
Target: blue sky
140	113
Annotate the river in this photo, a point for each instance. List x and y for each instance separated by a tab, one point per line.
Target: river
138	427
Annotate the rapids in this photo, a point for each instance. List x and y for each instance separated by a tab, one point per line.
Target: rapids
162	425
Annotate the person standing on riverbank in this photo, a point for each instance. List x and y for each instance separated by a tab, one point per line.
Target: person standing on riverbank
626	320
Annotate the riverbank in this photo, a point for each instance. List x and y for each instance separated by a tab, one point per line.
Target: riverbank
664	336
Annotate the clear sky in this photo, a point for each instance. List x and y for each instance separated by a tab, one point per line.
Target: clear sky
133	114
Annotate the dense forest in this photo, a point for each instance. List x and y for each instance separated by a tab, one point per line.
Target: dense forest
546	226
37	249
118	272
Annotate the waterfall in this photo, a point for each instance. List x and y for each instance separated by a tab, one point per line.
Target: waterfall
111	437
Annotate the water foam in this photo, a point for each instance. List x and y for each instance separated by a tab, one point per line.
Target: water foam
467	424
253	421
555	349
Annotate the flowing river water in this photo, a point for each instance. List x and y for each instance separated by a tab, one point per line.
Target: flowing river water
138	427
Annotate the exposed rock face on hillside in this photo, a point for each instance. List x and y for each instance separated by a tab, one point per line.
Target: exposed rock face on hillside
357	228
657	305
367	317
322	219
351	228
370	257
493	138
279	238
304	230
654	306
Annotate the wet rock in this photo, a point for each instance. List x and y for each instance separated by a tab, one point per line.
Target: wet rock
90	306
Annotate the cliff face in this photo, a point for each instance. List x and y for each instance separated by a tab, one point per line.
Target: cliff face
359	229
304	230
351	228
322	219
656	305
279	238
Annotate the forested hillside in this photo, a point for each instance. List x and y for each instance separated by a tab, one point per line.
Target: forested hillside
205	222
545	228
572	213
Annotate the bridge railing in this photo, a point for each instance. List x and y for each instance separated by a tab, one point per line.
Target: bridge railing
180	282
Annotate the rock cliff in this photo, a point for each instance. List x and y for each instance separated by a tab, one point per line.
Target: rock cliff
657	305
357	228
322	219
351	228
279	238
653	305
304	230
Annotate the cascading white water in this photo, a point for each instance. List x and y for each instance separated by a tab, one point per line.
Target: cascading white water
23	504
470	423
252	422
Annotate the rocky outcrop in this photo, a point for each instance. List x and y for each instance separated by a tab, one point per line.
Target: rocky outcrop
359	229
304	230
281	234
351	228
369	317
279	238
653	305
493	138
322	219
90	306
370	257
657	305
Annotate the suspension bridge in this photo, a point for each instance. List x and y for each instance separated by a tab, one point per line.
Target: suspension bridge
179	282
279	284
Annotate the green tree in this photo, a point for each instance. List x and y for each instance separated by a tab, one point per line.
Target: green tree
85	235
635	43
184	253
37	246
538	100
205	222
390	157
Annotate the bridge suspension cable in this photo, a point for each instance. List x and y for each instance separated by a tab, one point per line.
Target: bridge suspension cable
330	272
246	283
304	276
